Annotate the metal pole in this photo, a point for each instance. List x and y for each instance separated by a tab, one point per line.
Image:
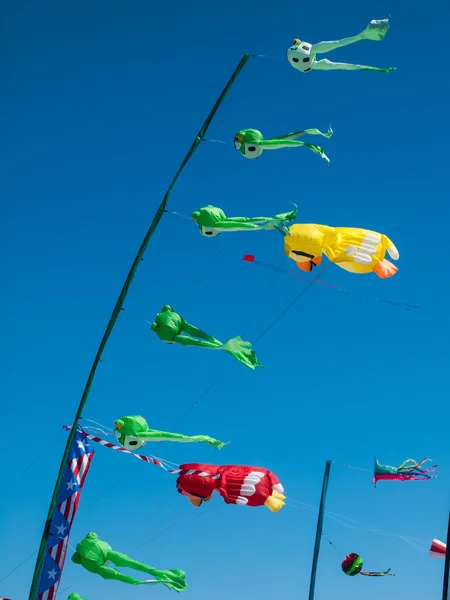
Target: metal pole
445	588
112	321
312	583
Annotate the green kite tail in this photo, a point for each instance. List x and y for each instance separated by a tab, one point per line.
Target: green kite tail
212	221
133	433
302	55
169	326
251	143
93	554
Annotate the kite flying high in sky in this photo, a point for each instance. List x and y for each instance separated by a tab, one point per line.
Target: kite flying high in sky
353	564
251	143
93	554
171	328
237	484
133	433
355	250
408	470
212	221
302	55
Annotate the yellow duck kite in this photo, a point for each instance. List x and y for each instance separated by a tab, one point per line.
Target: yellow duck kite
352	249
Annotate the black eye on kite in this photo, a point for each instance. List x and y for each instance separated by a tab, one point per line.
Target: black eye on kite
252	148
306	59
305	48
208	232
295	60
133	443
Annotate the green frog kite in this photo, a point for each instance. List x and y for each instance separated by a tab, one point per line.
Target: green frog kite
171	328
93	554
212	221
133	433
251	143
75	596
302	55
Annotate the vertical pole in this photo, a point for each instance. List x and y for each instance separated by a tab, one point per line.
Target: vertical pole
445	588
312	583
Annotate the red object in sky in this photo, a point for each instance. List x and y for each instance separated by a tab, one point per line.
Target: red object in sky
438	549
249	258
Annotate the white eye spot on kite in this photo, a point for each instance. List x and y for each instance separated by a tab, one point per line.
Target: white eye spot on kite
252	151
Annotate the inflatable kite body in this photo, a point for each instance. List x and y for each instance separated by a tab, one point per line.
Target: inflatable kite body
212	221
251	143
237	484
93	554
302	55
74	596
438	549
169	326
353	564
355	250
133	433
408	470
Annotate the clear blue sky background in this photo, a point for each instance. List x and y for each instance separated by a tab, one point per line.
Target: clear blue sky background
100	102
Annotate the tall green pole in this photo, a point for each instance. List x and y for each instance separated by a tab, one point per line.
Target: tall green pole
312	583
446	586
113	319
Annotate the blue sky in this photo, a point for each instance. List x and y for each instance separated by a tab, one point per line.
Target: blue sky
99	105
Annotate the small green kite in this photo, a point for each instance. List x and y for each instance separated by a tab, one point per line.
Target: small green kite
75	596
251	143
93	554
169	326
133	433
212	221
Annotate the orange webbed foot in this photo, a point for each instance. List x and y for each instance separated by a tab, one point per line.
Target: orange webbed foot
385	269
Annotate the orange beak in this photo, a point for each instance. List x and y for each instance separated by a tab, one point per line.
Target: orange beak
239	137
305	266
119	427
308	265
198	501
296	41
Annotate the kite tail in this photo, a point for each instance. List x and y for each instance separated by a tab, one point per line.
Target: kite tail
377	573
242	352
414	470
288	216
317	150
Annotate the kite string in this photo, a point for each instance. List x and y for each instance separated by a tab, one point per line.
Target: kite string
18	566
365	526
402	305
32	463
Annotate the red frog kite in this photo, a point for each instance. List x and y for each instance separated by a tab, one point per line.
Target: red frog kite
237	484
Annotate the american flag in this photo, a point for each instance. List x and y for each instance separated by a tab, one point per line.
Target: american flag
75	473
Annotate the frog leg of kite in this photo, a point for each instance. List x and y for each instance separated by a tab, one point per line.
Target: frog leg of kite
236	347
153	435
376	573
196	337
296	134
327	65
376	31
276	144
172	578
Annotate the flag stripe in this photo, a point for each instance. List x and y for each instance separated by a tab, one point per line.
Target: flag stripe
80	458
